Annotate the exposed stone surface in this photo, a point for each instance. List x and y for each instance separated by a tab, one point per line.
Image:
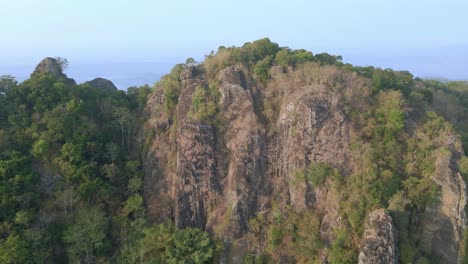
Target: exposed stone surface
49	65
218	179
101	83
443	224
180	165
378	245
312	127
196	185
189	72
243	143
209	180
52	67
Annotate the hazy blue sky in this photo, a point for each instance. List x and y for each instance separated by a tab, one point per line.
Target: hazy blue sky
427	37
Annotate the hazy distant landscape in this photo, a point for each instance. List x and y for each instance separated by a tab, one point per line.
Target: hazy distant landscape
123	74
442	64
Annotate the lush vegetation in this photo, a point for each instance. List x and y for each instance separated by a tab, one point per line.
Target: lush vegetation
260	55
71	178
317	172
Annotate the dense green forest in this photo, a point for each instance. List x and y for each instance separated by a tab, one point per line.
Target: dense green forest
71	166
71	178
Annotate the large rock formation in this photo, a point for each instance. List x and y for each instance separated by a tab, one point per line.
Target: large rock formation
212	180
217	178
312	127
49	65
378	245
52	66
103	84
443	224
243	143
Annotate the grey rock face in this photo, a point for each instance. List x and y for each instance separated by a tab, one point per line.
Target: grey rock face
378	245
196	184
218	178
51	66
101	83
443	223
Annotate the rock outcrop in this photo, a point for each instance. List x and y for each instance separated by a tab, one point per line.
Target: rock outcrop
103	84
443	224
52	66
243	143
217	178
312	127
378	245
204	192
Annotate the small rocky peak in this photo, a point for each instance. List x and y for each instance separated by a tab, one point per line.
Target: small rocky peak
233	85
51	66
103	84
232	75
189	72
378	244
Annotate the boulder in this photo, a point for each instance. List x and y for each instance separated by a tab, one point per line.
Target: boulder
101	83
378	245
52	66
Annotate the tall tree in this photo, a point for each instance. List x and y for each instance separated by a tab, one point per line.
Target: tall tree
86	236
123	118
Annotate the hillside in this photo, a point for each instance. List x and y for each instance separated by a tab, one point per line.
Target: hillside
258	154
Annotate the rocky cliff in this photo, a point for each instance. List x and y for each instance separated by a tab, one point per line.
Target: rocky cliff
220	176
378	244
443	223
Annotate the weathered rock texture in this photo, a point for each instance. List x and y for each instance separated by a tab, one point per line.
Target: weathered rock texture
312	127
52	67
101	83
218	178
378	245
211	180
443	224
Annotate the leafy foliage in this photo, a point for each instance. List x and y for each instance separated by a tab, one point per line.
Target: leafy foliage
317	173
205	104
166	244
171	84
86	236
70	175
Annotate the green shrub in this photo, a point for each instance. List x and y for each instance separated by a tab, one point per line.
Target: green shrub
317	172
261	69
407	253
340	252
166	244
421	192
275	236
171	85
205	104
464	168
327	59
286	57
190	245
